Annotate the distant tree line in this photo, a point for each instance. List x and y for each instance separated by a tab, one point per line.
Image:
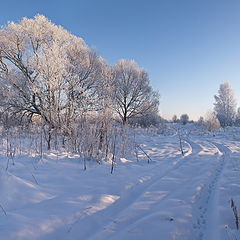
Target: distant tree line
184	119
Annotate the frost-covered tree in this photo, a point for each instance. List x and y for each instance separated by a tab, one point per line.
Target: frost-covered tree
84	83
47	71
33	53
184	119
132	95
225	104
212	122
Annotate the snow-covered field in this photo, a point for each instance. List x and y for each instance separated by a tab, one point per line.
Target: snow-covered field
173	197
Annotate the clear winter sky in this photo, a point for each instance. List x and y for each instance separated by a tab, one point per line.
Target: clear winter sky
188	47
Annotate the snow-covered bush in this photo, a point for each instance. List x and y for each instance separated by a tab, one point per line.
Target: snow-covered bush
148	119
212	123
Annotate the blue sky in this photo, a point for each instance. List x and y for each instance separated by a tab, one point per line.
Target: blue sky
188	47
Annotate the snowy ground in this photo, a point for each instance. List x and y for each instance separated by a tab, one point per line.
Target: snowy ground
174	197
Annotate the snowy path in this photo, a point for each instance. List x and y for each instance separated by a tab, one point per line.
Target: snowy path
174	197
163	207
205	215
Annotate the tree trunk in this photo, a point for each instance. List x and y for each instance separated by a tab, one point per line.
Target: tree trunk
49	137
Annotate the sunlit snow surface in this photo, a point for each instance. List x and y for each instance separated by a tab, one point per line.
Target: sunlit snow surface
173	197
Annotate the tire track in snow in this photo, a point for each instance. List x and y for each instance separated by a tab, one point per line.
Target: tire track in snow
195	148
132	195
208	189
205	205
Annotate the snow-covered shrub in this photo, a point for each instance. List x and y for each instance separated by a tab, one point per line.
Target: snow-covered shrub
212	123
148	119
